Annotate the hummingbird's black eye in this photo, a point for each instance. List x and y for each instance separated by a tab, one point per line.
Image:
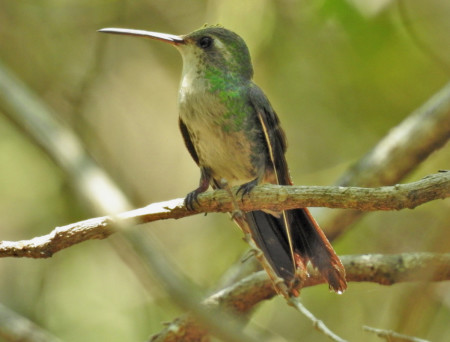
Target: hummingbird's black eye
205	42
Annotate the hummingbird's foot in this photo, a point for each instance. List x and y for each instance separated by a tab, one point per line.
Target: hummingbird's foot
247	187
192	197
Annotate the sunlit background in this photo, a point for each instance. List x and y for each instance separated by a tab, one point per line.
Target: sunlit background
340	74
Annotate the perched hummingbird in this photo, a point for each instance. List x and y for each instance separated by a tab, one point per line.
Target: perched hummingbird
233	134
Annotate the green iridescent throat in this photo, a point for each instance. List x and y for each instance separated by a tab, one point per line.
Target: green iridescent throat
228	90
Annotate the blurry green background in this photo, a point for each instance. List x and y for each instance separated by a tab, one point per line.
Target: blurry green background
339	73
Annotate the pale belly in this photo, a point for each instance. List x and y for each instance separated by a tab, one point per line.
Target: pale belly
226	154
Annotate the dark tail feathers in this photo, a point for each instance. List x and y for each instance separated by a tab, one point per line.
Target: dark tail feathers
309	243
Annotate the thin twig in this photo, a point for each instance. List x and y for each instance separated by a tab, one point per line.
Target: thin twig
317	323
390	335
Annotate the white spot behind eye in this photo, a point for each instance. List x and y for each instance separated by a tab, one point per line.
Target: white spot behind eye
222	48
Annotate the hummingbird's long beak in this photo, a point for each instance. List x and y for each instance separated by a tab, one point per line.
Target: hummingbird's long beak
164	37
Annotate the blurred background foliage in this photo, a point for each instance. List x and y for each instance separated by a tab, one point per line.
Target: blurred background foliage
339	73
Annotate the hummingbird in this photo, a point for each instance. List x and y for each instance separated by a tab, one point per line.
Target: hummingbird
234	135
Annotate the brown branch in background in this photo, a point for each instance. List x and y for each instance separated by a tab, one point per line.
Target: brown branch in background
382	269
240	298
272	197
397	268
212	320
404	147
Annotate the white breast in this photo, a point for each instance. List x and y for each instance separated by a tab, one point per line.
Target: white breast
226	154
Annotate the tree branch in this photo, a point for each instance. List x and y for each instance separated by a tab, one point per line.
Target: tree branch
14	327
402	149
242	296
390	335
317	323
436	186
38	122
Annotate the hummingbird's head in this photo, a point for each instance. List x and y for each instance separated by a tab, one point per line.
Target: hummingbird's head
211	49
216	48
